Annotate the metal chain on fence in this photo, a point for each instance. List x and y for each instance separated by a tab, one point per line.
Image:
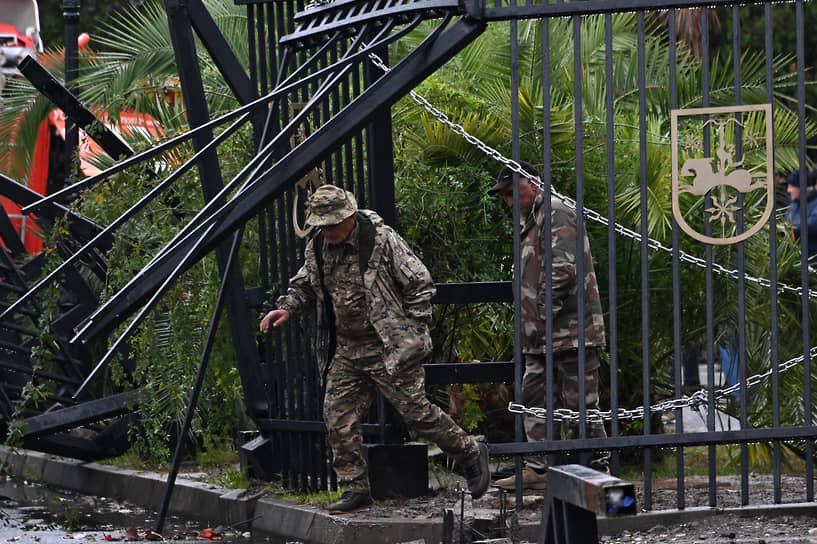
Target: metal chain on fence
697	399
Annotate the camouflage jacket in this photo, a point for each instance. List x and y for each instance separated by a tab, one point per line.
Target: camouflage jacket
398	296
564	285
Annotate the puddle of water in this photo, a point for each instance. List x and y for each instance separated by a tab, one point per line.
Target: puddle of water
35	513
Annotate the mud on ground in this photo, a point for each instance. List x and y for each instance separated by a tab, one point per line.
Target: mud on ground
700	524
705	525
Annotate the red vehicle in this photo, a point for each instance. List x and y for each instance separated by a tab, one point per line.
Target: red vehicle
20	36
19	33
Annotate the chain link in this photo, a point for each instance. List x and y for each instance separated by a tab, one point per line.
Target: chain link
696	400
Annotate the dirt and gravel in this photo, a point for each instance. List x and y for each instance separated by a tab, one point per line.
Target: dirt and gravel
758	522
792	520
725	528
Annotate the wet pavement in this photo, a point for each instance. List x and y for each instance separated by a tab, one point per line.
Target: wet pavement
102	506
36	513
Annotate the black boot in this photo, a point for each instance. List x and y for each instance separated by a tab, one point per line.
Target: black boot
478	473
351	501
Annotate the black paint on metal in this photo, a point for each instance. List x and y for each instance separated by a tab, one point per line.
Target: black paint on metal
75	416
181	32
108	140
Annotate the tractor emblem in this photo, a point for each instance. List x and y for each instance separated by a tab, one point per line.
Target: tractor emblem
725	197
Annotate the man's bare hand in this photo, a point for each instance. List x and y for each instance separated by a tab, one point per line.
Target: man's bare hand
275	317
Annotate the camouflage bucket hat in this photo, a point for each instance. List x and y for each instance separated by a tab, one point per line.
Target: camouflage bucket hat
329	205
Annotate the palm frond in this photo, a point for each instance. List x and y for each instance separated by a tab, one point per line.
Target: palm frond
23	111
438	145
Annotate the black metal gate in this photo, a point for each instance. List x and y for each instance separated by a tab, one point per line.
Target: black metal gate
703	249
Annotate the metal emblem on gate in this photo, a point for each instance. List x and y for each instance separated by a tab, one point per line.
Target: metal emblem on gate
307	184
725	198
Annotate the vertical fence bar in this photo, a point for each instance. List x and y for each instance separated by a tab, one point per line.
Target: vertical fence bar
295	383
804	270
251	48
263	46
518	358
284	349
277	16
547	179
676	277
645	262
288	265
279	357
271	50
276	67
267	240
356	167
710	312
578	120
554	428
344	155
741	287
775	333
611	236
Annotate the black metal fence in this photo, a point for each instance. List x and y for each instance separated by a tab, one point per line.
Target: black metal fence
701	287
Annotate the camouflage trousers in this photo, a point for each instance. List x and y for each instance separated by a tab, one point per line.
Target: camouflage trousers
565	395
351	387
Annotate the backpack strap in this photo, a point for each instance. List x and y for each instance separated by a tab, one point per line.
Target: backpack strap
317	242
366	232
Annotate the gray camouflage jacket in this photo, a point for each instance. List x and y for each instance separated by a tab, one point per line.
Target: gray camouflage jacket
564	279
398	295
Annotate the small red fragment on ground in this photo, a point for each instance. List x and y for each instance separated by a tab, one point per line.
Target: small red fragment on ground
209	534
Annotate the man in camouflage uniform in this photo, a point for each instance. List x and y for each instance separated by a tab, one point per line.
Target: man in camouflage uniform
373	300
564	313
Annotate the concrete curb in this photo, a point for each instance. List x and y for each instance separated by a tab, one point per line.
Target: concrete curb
210	503
218	506
308	524
196	500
